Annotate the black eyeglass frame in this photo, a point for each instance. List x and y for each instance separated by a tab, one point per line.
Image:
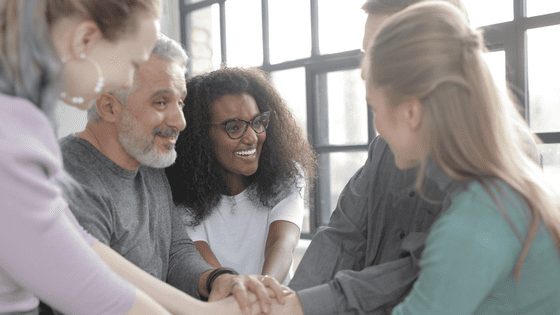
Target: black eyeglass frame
247	123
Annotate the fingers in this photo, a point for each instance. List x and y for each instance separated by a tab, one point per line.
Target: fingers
273	285
239	292
246	289
259	289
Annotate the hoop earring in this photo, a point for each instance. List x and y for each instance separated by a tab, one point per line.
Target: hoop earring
78	100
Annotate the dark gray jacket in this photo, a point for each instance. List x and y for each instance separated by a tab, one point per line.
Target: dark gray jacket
366	259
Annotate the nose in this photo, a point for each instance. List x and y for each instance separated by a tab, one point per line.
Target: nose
250	136
176	118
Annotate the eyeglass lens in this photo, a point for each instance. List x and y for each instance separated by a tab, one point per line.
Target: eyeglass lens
236	128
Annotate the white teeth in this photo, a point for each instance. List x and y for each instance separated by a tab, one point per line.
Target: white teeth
246	152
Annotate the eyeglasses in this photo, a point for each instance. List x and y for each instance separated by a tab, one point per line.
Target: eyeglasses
236	128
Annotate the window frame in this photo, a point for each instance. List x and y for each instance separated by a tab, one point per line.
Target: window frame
508	36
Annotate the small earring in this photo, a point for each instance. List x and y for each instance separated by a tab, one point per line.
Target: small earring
99	84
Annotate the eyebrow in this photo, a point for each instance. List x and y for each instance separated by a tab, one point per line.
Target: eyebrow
237	118
165	92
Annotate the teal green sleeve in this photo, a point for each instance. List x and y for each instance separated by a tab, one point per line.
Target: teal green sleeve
470	248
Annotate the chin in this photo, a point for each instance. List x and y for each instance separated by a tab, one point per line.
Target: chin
249	172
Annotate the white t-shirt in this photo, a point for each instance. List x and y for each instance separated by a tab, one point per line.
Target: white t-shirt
237	229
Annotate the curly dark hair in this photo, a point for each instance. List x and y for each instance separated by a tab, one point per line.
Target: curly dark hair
196	178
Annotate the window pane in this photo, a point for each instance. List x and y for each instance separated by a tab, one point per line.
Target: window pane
341	166
340	25
244	32
551	161
291	86
496	61
484	12
289	40
204	37
539	7
544	89
347	109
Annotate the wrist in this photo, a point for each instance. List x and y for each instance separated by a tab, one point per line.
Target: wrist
217	273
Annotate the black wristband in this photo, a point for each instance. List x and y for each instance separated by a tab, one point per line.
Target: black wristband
215	274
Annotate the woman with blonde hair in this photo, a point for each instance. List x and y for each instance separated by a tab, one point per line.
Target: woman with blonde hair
70	50
495	247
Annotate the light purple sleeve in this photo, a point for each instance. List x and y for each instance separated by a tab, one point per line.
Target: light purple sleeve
41	248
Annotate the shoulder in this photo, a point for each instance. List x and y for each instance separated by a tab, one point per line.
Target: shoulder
378	148
74	151
27	137
20	118
489	199
83	162
481	214
155	176
380	157
157	183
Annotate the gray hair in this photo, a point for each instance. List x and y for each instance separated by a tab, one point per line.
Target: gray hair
393	6
165	48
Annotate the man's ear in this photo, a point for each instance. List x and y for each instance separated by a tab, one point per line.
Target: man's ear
84	36
108	107
413	112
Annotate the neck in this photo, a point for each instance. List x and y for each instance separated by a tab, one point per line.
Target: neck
235	183
104	137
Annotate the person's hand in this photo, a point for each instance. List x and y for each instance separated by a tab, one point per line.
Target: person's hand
263	287
292	306
229	305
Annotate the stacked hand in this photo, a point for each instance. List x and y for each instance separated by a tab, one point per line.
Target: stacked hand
255	294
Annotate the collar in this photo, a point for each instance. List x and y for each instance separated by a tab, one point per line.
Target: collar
436	174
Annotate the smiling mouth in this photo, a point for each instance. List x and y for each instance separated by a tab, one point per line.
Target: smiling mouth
169	142
246	152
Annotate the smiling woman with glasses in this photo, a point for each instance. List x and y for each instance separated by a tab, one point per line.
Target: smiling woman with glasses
241	170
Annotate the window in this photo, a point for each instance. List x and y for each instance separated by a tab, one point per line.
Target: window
317	71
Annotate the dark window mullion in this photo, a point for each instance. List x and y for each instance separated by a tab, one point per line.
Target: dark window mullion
542	20
265	33
516	57
310	85
223	30
549	137
322	192
314	28
185	29
341	148
199	5
322	138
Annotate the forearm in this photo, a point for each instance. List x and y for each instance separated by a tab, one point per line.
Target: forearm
278	259
172	299
143	304
206	252
187	270
372	290
283	237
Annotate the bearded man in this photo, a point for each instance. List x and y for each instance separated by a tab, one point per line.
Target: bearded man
122	196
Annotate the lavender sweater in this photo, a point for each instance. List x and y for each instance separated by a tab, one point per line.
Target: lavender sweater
44	253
